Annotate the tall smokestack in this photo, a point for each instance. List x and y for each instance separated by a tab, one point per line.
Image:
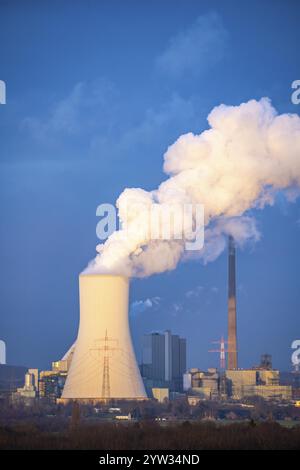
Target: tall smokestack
103	366
232	335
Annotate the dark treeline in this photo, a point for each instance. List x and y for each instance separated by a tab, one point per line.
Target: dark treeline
256	409
147	435
209	425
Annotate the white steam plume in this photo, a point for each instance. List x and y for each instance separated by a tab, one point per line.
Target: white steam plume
248	154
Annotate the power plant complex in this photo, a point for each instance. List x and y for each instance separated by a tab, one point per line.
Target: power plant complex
101	365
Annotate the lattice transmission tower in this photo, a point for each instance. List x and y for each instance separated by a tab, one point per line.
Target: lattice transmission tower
107	350
222	351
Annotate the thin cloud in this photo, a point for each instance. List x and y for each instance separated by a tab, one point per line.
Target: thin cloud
140	306
157	125
87	109
203	291
194	292
90	120
198	48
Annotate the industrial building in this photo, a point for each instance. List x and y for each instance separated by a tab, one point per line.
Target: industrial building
273	392
160	394
235	384
103	365
240	382
163	361
51	382
51	385
29	391
257	382
292	379
11	378
2	352
205	384
46	384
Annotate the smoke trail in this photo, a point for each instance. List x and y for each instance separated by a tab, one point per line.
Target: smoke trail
248	154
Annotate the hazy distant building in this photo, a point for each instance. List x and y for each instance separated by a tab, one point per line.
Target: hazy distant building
46	384
163	360
204	384
266	361
292	379
153	358
60	366
267	377
35	377
11	378
194	400
241	382
30	390
160	394
2	352
51	384
257	382
273	392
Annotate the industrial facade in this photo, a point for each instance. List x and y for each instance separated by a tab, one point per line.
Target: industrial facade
240	382
257	382
235	384
160	394
11	378
163	360
205	384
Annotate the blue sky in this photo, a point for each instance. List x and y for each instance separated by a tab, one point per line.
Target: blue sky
96	91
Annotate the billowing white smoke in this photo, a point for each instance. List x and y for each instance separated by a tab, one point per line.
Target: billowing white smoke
247	156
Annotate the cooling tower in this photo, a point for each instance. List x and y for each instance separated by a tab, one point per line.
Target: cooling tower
103	366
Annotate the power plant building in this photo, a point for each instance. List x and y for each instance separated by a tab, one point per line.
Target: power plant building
51	384
30	390
235	384
204	384
241	382
163	360
160	394
103	365
2	352
11	378
257	382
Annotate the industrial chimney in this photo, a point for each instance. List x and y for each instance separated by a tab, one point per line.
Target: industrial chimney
232	334
103	366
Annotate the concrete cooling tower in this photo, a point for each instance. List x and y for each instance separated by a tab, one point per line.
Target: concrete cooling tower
103	366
